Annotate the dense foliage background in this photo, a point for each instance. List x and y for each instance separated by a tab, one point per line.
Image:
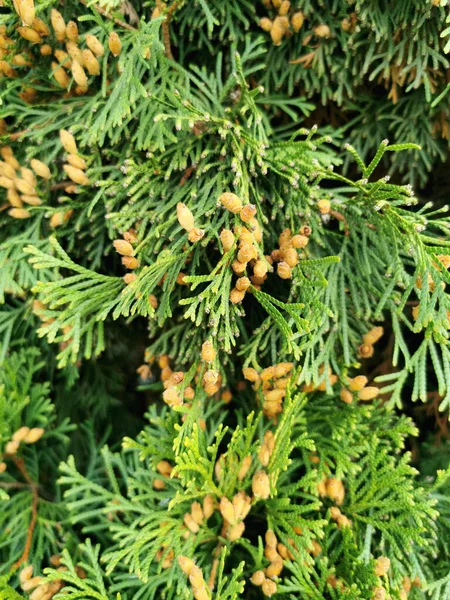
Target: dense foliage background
224	243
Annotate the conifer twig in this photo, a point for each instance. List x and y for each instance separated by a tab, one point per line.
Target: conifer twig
165	26
34	508
104	13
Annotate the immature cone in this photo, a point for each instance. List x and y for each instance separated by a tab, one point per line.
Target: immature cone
261	485
208	352
68	141
227	239
335	490
269	587
40	168
242	284
94	45
372	336
297	21
231	202
247	213
91	63
236	296
196	234
130	262
185	217
284	270
186	564
72	31
20	434
60	75
25	10
19	213
258	578
26	573
208	506
79	74
29	34
322	31
382	566
114	43
266	25
58	25
236	531
368	393
76	175
260	268
122	247
45	50
346	396
324	206
245	466
11	447
357	383
76	161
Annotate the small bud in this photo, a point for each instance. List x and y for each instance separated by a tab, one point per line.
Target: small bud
275	568
297	21
208	352
250	374
196	234
190	523
365	350
379	593
94	45
284	270
227	510
258	578
26	573
261	485
122	247
324	205
20	434
335	490
236	531
260	269
130	262
114	43
208	506
282	369
34	435
41	169
247	213
58	25
372	336
322	31
346	396
72	31
171	397
246	253
238	267
29	34
11	447
158	485
76	175
197	513
2	467
185	217
186	564
357	383
368	393
242	284
382	566
68	141
269	587
265	24
271	539
231	202
227	238
236	296
245	466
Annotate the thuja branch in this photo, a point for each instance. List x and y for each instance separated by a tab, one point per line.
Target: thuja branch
34	508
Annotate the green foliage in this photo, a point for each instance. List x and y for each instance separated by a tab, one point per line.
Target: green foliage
151	453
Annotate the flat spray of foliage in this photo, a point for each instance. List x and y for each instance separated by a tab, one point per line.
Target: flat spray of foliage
214	315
